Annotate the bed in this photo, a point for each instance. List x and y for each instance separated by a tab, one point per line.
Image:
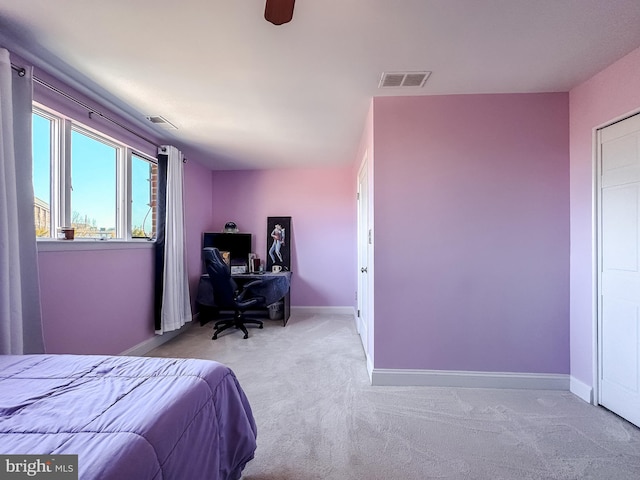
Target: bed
127	417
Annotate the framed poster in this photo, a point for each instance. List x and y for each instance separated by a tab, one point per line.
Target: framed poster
279	243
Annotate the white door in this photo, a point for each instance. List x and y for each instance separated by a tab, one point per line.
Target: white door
619	267
364	328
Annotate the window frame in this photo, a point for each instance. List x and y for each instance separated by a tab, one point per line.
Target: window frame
153	212
60	132
54	173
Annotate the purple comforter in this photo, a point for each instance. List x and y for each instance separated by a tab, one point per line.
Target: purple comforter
127	417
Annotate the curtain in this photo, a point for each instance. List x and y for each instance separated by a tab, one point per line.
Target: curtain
20	315
173	305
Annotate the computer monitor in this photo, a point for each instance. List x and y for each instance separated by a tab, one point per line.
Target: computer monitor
237	244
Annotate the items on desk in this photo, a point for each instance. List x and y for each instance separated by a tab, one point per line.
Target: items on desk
254	263
238	269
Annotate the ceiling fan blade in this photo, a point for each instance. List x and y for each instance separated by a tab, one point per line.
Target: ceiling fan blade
279	11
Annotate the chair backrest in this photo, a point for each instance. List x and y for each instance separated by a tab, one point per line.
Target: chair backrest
224	287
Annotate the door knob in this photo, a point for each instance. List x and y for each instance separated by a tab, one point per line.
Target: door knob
363	270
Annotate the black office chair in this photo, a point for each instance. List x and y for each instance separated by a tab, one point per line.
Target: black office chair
227	295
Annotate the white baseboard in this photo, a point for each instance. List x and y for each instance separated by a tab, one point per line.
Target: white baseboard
370	369
145	347
581	389
444	378
324	310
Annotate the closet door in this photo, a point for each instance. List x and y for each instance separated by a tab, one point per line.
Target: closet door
363	318
619	269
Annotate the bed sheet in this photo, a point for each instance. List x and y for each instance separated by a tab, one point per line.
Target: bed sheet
127	417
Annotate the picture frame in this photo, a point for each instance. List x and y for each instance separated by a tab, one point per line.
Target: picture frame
279	241
252	262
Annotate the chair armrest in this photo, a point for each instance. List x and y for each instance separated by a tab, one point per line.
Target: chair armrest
246	288
252	283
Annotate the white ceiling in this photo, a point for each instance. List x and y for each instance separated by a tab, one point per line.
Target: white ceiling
247	94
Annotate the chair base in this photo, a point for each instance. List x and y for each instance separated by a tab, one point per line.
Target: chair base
237	321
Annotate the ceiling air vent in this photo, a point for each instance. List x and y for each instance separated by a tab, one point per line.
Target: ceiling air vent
403	79
161	122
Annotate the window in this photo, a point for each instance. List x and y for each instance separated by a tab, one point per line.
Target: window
86	180
144	177
42	130
93	187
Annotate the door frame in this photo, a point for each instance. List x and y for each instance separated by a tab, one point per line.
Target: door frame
596	354
368	343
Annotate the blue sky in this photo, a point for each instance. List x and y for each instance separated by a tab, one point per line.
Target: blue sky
93	173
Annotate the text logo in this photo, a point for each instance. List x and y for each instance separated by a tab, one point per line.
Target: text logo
51	467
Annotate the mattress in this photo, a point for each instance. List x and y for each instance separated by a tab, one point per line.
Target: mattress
127	417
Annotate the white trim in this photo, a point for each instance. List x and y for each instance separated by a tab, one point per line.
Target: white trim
370	368
581	389
595	260
145	347
54	245
450	378
347	310
596	254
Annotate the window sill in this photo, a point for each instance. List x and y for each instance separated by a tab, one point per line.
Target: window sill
53	245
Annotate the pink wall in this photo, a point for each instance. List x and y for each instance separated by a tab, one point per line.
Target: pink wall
96	302
198	213
608	95
101	301
471	232
321	203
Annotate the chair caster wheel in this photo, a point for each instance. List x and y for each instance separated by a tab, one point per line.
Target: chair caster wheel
246	335
215	337
259	326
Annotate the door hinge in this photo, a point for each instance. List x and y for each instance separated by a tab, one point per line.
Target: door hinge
358	313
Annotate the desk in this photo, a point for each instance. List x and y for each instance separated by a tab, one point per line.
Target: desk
274	287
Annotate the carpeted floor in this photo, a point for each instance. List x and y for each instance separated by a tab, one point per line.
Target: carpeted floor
318	417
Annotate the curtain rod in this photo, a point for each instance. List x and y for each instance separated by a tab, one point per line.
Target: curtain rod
21	72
